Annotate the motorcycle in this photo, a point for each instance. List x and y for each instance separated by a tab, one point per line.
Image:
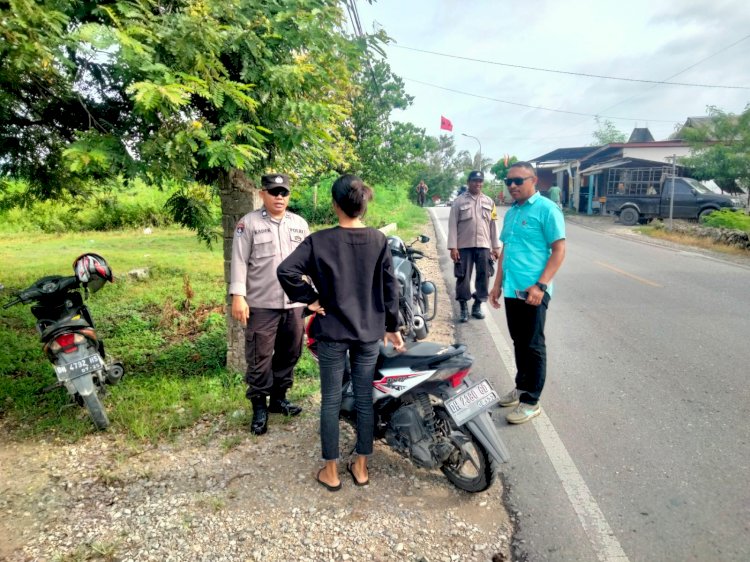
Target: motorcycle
415	307
66	331
429	410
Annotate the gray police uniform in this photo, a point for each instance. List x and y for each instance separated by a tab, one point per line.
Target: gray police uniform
472	229
273	337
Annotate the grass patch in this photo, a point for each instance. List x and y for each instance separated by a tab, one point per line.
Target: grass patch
168	330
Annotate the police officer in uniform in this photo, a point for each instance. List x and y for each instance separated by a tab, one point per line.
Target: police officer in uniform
473	243
273	324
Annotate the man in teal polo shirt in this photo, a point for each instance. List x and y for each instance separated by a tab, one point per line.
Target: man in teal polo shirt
533	237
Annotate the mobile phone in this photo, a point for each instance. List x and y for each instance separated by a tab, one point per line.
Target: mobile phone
523	295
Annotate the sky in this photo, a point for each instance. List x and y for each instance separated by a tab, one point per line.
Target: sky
691	41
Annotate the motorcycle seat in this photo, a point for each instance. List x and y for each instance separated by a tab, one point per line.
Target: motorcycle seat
63	326
423	352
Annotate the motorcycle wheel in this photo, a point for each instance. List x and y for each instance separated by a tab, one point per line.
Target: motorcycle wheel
469	467
96	410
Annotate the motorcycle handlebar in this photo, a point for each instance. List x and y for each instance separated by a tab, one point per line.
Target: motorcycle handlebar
413	251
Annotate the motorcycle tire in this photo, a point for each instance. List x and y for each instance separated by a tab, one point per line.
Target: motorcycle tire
470	467
96	410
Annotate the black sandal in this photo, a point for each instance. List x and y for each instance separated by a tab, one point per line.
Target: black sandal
327	486
354	478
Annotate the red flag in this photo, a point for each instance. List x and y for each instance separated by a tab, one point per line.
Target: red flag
446	124
506	161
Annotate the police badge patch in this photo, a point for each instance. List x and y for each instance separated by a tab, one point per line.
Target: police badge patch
240	230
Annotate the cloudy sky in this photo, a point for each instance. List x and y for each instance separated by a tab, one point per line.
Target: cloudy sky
690	41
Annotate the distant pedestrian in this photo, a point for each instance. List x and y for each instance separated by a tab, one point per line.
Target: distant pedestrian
422	190
273	323
533	237
555	195
473	244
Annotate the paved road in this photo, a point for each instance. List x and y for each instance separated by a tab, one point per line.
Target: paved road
642	450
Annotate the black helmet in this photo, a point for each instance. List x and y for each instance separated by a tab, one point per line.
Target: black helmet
92	271
397	246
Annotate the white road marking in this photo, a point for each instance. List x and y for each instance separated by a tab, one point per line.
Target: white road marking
594	524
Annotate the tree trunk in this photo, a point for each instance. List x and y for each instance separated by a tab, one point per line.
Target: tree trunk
239	196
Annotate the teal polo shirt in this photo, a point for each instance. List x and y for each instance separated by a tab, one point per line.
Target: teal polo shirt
527	236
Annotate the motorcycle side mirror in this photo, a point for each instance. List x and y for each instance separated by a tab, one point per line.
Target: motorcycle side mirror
424	239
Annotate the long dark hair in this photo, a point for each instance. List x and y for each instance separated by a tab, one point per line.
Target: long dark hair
351	195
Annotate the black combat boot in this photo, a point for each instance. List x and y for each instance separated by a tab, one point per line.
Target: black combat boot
464	312
476	310
259	424
280	405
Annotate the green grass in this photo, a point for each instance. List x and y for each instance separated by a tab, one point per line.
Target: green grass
168	330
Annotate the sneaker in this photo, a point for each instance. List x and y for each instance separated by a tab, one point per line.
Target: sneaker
523	413
510	399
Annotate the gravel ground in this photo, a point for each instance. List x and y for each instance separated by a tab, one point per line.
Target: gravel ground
215	493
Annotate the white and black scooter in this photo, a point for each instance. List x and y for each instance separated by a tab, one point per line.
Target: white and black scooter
66	331
428	409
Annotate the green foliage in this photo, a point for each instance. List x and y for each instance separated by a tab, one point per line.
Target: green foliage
108	206
191	207
185	92
500	169
728	218
606	132
720	150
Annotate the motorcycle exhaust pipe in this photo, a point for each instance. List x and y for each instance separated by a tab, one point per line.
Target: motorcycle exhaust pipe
420	328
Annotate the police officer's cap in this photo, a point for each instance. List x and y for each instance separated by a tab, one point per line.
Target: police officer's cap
476	175
270	181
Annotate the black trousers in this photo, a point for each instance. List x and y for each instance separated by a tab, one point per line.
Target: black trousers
471	259
273	345
526	327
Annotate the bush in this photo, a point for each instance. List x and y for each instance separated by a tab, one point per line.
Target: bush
728	218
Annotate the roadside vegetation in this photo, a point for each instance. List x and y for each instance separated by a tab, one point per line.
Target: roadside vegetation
169	330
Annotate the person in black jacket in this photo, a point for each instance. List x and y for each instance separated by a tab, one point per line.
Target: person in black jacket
354	294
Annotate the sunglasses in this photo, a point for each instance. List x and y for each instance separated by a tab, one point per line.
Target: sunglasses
516	181
276	191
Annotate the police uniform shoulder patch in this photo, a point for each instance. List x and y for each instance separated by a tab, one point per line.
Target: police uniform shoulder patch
240	229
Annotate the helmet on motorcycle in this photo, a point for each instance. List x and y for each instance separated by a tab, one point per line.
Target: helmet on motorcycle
92	271
397	246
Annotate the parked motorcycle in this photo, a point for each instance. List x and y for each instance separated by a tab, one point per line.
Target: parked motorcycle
66	331
416	308
428	409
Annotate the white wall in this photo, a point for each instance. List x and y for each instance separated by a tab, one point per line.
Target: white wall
656	153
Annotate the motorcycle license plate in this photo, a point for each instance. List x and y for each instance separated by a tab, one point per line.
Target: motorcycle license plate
471	402
80	367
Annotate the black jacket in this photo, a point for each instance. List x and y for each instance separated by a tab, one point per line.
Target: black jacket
352	270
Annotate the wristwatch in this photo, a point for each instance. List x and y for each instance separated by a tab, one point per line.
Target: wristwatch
542	286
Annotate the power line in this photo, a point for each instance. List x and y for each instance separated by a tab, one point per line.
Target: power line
536	106
667	78
584	74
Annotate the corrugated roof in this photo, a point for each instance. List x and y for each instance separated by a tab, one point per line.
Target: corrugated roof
565	154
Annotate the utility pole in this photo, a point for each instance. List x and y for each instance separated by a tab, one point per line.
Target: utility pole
480	149
671	190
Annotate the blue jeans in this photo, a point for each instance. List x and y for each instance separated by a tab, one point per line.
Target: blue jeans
332	360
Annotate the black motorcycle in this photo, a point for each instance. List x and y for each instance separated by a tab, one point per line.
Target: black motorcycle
66	331
415	306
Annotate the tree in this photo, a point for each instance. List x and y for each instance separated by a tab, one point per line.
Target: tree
210	91
378	142
720	150
500	169
607	133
